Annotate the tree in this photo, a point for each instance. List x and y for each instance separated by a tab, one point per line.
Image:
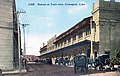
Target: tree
118	53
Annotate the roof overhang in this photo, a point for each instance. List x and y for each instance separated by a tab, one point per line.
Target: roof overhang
68	49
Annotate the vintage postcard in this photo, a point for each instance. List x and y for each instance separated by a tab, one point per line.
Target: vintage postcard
59	37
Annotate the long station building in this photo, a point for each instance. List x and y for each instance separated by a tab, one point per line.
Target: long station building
93	35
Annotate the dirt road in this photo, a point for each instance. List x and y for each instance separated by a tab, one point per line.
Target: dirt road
59	70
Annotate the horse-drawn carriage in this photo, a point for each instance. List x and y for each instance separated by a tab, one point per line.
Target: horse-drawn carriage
80	63
101	61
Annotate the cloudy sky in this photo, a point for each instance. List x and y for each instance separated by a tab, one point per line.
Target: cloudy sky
47	20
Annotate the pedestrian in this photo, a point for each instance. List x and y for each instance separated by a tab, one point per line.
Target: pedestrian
24	61
56	61
50	61
61	61
66	61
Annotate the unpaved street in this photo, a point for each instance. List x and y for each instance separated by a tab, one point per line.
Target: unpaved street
59	70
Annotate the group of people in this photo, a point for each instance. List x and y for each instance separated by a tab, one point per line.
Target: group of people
62	61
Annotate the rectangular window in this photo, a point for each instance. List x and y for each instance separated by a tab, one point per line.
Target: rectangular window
69	40
65	42
74	37
88	32
80	35
95	27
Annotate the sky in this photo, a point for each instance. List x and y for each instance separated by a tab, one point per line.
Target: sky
47	18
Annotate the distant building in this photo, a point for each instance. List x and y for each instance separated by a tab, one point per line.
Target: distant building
31	58
8	35
43	50
93	35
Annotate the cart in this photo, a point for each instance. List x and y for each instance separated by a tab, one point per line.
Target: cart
101	61
80	63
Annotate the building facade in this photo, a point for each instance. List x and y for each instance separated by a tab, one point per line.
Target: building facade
73	41
8	35
93	35
106	16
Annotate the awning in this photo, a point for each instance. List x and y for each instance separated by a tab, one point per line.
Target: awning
67	49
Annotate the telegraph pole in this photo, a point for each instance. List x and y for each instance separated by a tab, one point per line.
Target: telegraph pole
19	48
23	26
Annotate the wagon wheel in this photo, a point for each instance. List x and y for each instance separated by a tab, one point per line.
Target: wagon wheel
86	68
75	68
100	68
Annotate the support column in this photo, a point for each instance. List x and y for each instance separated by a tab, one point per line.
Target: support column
92	34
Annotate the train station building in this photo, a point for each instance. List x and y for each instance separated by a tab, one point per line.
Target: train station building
93	35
